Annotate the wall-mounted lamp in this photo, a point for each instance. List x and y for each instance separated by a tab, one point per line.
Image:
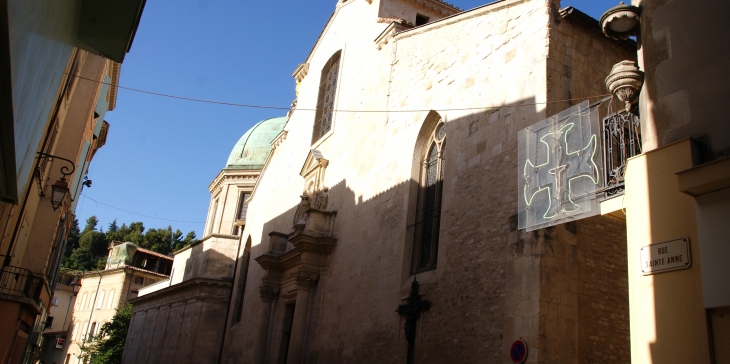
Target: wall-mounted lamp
621	22
76	285
60	188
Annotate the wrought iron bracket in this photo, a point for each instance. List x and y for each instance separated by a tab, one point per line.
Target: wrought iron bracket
64	169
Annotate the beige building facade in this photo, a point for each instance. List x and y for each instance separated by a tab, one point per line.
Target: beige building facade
59	66
677	199
103	292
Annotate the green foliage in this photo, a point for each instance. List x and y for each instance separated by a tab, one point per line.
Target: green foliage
91	224
80	259
88	249
72	241
95	242
107	347
112	227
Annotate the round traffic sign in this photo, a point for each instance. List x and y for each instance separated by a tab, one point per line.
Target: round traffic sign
518	351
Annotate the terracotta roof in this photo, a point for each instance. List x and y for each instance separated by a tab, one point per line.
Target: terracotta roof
447	4
121	267
150	252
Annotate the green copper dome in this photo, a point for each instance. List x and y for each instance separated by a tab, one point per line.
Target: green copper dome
254	147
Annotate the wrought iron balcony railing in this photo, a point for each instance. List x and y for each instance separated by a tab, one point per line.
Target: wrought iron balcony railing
621	141
20	282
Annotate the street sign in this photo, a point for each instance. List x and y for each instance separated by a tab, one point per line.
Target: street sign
518	352
664	257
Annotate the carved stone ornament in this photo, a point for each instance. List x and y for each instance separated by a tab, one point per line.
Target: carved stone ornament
268	292
300	217
306	279
320	199
621	22
625	82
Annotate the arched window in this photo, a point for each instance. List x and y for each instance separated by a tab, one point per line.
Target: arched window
90	303
75	333
326	98
428	213
110	300
84	331
242	277
82	303
100	300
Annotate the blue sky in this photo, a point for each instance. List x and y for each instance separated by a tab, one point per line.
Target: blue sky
161	153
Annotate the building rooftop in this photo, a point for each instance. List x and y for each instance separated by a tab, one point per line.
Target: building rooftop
252	150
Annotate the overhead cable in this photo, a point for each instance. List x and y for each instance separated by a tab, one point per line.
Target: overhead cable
253	106
135	213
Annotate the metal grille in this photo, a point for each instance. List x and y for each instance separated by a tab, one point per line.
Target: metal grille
328	101
621	141
20	282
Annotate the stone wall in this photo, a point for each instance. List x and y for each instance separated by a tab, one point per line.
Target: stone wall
180	324
486	74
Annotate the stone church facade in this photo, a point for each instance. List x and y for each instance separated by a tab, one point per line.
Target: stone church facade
398	164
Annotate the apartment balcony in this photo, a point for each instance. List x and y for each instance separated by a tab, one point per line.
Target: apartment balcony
21	285
621	134
621	140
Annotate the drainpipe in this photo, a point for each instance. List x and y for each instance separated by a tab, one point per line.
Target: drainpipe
93	304
230	297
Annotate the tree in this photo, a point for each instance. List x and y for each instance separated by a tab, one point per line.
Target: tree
112	227
91	223
190	238
80	259
95	242
107	347
72	241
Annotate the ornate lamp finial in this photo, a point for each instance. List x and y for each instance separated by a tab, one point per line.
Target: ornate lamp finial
625	81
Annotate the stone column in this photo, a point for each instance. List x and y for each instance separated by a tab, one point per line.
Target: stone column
268	293
305	282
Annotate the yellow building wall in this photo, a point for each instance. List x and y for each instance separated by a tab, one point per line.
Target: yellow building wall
668	319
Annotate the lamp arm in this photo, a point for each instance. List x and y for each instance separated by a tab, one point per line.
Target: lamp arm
64	169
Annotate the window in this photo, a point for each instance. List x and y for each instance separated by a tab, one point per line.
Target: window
139	280
421	19
82	303
49	321
82	337
90	303
100	300
212	217
54	301
425	242
110	300
92	331
242	277
75	334
326	99
240	211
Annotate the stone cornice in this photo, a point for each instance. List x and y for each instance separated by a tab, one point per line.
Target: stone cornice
114	85
180	286
312	242
278	140
434	6
301	72
390	32
232	174
280	263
